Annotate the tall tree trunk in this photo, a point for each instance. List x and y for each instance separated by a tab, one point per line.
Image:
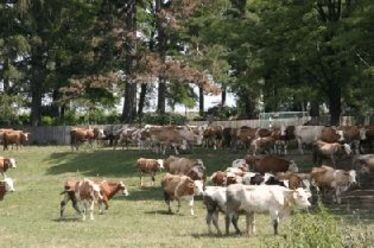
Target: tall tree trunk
36	82
223	96
161	40
129	106
161	100
335	105
143	93
201	101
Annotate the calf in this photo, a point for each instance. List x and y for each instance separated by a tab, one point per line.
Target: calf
270	163
149	166
180	187
85	193
330	150
274	199
328	178
6	185
108	189
5	164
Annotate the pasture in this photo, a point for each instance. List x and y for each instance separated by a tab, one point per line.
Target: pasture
29	217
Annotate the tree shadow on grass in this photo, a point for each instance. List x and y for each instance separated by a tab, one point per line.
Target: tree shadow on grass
101	163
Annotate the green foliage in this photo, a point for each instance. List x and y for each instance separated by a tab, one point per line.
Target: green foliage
9	106
162	119
221	113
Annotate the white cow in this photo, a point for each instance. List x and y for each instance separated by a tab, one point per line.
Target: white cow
275	199
214	199
307	135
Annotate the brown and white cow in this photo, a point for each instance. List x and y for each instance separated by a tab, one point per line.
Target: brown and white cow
2	131
149	166
6	185
5	164
178	187
329	150
352	136
262	145
163	137
85	192
213	136
270	163
108	189
79	135
331	135
243	136
15	137
327	178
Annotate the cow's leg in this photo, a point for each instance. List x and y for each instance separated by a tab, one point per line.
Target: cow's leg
167	201
333	160
215	222
63	205
235	223
300	146
141	178
337	195
175	150
250	220
209	218
178	205
84	210
285	148
190	203
91	209
228	219
275	221
153	174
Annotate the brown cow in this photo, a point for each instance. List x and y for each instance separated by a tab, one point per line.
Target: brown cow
79	135
15	137
327	178
270	163
149	166
2	131
352	136
329	150
5	164
243	136
185	166
6	185
367	138
331	135
262	145
180	187
213	136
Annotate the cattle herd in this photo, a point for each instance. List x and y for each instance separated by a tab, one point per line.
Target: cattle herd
264	180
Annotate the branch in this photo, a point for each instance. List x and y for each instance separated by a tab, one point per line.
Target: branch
321	12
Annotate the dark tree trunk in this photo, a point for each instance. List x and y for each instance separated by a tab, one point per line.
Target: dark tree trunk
201	101
161	41
223	96
129	106
54	106
161	101
36	82
143	93
335	106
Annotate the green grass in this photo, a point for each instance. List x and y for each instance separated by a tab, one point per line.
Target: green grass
29	217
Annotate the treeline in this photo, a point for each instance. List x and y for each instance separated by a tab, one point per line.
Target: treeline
62	58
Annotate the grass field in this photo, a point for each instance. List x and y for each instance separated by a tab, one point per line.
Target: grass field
29	217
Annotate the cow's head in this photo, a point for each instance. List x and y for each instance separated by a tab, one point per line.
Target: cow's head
184	145
293	167
363	133
341	135
347	149
9	184
300	197
352	177
25	136
10	162
99	133
199	187
123	189
161	164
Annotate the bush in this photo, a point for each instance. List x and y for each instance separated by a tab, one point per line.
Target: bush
162	119
221	113
47	121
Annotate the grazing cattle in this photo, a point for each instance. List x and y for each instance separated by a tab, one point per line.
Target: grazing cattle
185	166
15	137
270	163
364	165
329	150
85	193
2	131
263	132
218	178
331	135
108	189
79	135
6	185
5	164
239	163
227	137
149	166
307	135
295	180
178	187
213	136
352	135
327	178
276	200
214	199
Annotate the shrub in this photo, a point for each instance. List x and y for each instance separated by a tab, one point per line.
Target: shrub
162	119
221	113
47	121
